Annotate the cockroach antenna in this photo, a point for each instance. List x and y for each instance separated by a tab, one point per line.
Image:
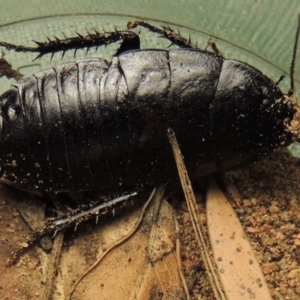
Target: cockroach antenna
293	63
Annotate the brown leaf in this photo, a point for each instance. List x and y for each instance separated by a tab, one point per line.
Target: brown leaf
145	266
238	268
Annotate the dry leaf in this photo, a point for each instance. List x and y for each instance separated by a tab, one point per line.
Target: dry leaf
143	267
145	264
238	268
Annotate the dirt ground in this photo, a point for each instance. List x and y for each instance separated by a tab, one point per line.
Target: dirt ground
265	197
267	202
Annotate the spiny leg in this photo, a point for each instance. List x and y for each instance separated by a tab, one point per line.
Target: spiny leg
95	39
175	38
103	210
167	32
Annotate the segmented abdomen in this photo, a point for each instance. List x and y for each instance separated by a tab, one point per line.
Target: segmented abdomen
50	123
91	124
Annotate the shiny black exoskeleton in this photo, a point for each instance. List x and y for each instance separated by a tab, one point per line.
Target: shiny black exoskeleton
92	124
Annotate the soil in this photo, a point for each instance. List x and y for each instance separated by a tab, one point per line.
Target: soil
266	198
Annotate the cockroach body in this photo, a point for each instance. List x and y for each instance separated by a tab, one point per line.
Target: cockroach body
92	124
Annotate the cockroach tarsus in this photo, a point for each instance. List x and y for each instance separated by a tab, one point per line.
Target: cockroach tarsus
92	124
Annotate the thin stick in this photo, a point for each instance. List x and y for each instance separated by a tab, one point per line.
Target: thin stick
194	213
292	70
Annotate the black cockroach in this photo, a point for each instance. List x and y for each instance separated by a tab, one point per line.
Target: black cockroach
92	124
